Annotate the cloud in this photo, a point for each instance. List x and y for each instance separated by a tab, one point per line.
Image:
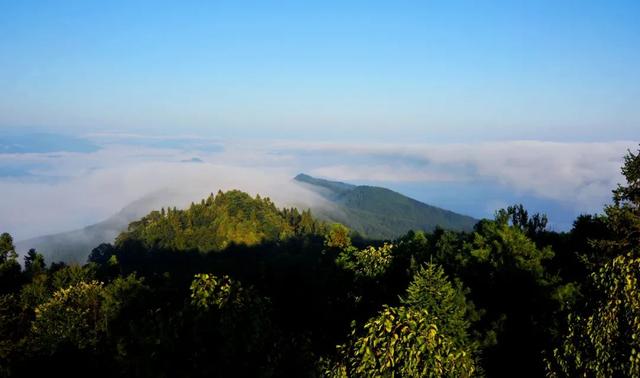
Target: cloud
80	189
579	174
69	190
383	173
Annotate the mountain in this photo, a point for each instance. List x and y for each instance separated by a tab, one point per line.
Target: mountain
374	212
232	217
75	245
380	213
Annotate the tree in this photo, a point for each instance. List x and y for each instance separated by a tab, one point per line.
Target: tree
34	263
519	218
424	337
10	277
370	262
35	292
208	291
432	291
602	336
501	246
7	249
10	332
404	342
629	194
223	220
510	285
71	317
337	237
70	275
605	341
233	328
623	216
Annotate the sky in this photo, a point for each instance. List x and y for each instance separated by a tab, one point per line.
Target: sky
467	105
429	71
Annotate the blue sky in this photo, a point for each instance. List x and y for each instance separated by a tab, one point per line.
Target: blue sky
429	71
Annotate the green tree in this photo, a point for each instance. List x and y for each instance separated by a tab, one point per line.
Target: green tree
370	262
605	342
72	275
519	217
10	332
208	290
431	290
602	338
233	328
623	216
338	237
403	342
35	292
10	270
34	263
71	317
505	247
7	249
506	273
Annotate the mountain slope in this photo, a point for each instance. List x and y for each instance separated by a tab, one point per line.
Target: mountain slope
75	245
380	213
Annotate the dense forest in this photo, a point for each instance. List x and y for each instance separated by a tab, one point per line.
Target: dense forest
234	286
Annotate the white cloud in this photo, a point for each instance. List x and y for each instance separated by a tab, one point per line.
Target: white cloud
96	185
579	174
383	173
71	190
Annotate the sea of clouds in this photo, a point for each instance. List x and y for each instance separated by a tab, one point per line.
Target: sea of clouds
59	191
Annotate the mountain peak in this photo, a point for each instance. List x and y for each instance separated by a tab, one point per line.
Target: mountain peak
381	213
333	188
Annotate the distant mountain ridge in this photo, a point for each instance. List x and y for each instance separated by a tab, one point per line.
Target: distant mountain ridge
374	212
381	213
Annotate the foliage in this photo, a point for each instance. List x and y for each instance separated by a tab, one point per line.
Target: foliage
337	237
70	275
34	262
519	217
209	290
432	291
405	342
602	335
219	221
506	247
370	262
72	316
9	266
623	216
605	342
35	292
7	249
10	314
236	321
120	294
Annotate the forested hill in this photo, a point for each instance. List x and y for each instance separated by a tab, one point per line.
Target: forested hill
373	212
380	213
233	217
